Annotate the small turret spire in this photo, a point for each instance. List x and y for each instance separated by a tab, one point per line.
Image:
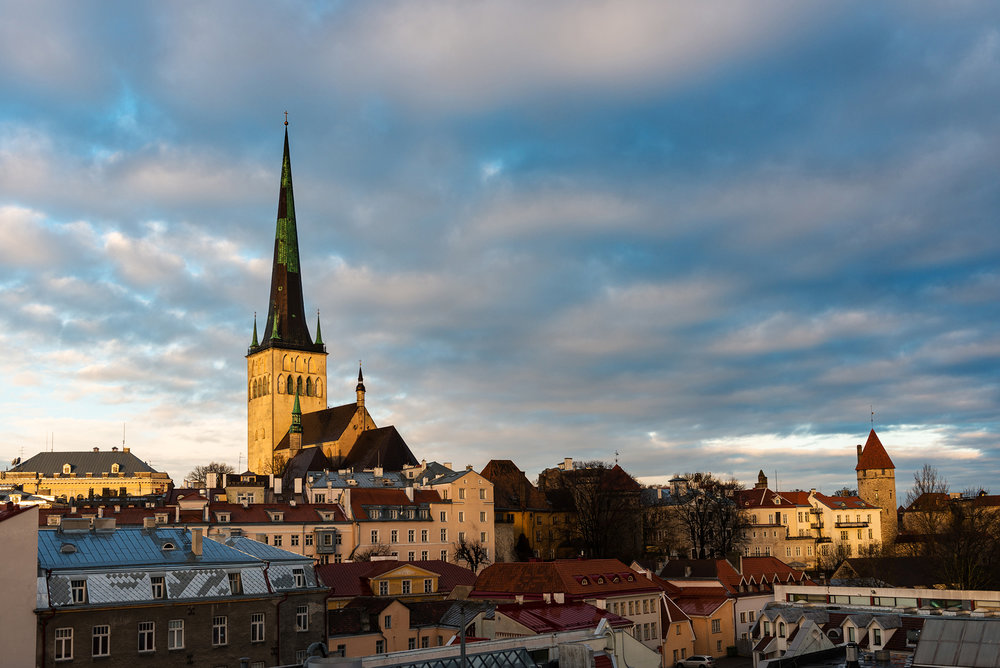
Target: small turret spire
361	386
296	427
254	343
319	332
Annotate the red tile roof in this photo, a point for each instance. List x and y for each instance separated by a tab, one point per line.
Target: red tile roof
551	618
577	578
9	510
364	496
763	498
873	456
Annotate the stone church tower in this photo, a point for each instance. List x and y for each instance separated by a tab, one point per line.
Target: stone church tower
877	483
285	365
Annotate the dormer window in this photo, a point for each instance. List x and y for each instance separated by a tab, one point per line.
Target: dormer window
166	547
276	515
584	581
67	468
115	468
223	517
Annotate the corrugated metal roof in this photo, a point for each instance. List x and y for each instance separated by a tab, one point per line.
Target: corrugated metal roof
81	463
129	546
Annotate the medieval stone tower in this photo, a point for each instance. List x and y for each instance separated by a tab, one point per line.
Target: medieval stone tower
285	364
877	483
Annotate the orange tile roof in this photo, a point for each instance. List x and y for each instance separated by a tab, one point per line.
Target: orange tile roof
873	456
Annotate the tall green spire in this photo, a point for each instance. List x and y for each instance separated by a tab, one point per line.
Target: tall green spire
286	324
319	332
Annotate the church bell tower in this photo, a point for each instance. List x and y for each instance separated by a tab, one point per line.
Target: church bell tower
284	364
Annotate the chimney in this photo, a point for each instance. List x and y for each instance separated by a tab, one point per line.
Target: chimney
378	471
859	452
210	480
567	464
177	514
114	449
560	597
447	465
196	541
276	485
204	513
298	485
409	492
148	522
100	511
687	571
124	449
97	449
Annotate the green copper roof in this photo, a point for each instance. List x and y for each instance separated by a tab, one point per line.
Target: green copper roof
287	252
296	427
254	342
319	333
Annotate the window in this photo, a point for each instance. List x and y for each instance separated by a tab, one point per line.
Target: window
482	494
64	644
387	622
424	535
309	540
411	556
425	642
716	626
379	646
767	628
235	584
843	535
411	643
461	492
444	516
294	538
461	517
750	616
444	555
257	627
406	587
146	636
482	537
869	534
383	588
302	618
482	517
781	629
423	555
220	631
645	606
79	589
158	587
877	637
175	634
743	618
444	535
677	630
850	634
410	536
394	536
859	534
374	536
298	578
428	586
788	551
277	540
101	641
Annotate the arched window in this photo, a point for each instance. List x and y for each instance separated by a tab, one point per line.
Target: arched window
781	629
66	468
319	388
291	386
115	468
309	387
281	384
298	384
249	391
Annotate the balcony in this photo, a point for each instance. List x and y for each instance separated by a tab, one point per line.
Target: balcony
850	525
816	525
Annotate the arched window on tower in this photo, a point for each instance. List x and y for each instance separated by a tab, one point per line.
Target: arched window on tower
281	384
319	388
298	385
309	387
249	391
291	386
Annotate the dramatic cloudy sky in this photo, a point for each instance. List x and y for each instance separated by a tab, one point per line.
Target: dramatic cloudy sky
708	236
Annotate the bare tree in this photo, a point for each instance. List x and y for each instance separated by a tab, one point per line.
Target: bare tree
196	478
926	481
713	521
276	466
377	550
472	552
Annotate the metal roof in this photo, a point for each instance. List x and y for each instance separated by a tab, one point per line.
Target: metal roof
130	546
80	463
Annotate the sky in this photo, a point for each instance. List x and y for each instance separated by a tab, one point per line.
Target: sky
701	236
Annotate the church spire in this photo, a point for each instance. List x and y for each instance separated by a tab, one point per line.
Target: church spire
319	332
286	320
254	344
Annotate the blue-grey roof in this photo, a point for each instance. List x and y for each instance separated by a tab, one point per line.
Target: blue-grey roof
263	550
81	463
129	546
337	480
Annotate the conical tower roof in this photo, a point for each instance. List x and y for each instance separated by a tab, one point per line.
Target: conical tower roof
873	456
286	325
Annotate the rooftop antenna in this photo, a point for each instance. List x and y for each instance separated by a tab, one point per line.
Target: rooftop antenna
123	435
286	118
616	457
239	462
872	408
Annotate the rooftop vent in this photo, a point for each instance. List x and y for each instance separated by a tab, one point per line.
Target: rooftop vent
68	548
